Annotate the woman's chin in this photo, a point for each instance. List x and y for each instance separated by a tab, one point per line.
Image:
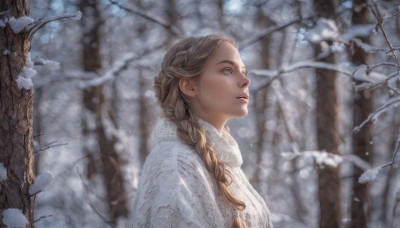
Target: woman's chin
242	113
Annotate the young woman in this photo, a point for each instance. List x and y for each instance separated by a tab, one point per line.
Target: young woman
192	177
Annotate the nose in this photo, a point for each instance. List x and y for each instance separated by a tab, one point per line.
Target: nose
244	82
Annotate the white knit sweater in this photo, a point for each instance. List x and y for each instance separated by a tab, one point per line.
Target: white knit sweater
176	190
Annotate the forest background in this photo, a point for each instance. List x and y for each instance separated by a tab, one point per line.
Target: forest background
319	143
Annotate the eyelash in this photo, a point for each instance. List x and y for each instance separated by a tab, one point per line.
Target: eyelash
231	71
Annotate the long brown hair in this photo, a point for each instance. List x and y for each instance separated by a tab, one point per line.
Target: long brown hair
187	59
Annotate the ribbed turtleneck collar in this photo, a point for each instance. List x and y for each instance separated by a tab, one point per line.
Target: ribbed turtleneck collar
222	142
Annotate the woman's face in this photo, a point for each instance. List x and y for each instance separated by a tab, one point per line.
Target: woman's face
221	92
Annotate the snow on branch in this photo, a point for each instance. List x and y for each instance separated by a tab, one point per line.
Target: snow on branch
19	24
371	174
363	74
325	29
49	64
328	159
41	182
3	172
320	65
358	30
374	85
321	158
31	26
13	217
369	48
115	69
373	116
26	74
357	161
274	74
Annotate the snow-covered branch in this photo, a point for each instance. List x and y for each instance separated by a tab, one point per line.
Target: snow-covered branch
274	74
364	74
41	182
371	174
321	158
373	116
371	49
324	158
116	68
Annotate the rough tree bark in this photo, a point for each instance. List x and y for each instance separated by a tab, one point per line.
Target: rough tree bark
362	107
327	133
37	126
16	104
109	164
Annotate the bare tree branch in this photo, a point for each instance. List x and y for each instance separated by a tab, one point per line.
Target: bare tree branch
372	117
42	217
48	146
395	151
171	28
386	38
268	31
102	217
38	24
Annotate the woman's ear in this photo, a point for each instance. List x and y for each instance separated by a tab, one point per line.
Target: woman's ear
187	87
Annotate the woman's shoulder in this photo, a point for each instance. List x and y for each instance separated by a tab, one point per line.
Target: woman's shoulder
173	155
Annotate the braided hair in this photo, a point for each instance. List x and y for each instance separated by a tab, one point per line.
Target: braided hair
187	59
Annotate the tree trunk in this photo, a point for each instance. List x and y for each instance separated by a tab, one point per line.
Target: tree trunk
328	140
327	133
37	126
173	17
221	13
261	99
98	141
362	107
16	104
143	119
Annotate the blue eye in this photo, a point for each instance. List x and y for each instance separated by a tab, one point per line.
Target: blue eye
227	70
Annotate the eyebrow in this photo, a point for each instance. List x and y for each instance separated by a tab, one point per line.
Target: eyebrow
229	62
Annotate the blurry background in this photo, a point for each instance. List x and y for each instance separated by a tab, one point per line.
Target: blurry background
318	70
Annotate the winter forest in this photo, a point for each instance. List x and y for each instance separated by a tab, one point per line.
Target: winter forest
77	106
